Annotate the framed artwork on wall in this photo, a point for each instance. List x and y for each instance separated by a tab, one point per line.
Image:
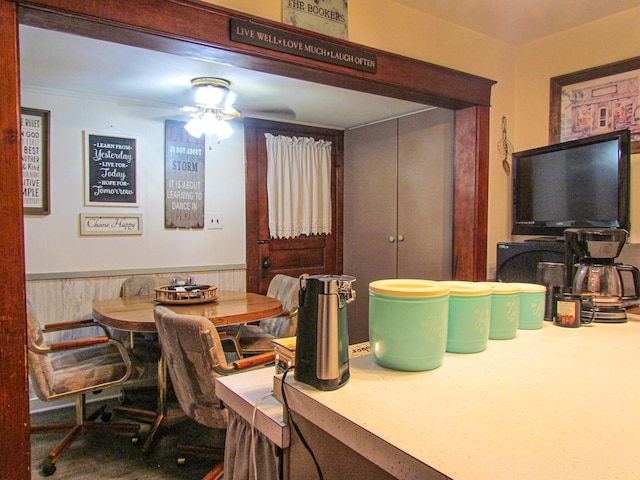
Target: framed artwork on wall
596	100
35	161
111	170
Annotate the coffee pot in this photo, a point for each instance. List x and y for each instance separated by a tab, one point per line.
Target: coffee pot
596	278
322	345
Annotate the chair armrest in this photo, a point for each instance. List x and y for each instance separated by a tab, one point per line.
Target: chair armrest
255	360
70	325
79	343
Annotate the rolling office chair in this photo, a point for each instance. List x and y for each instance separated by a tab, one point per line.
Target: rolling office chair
195	357
255	339
75	368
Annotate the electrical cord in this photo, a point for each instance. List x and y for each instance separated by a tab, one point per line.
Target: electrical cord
295	426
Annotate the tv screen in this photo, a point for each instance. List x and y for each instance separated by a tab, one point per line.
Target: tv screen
578	184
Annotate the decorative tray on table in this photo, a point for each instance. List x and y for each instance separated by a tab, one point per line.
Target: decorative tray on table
185	294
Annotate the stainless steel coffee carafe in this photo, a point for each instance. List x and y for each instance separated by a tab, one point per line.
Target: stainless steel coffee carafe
322	345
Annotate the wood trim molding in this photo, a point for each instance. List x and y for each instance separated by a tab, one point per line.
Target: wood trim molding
14	412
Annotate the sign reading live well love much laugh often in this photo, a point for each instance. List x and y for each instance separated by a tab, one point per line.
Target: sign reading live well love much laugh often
259	35
322	16
184	177
110	170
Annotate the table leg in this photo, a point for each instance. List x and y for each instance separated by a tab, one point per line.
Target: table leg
161	413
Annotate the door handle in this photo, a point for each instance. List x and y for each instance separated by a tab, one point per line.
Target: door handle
265	267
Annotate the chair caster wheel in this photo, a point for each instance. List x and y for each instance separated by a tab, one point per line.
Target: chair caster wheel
106	416
48	469
181	462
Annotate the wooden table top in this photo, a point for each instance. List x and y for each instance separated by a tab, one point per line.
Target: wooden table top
135	314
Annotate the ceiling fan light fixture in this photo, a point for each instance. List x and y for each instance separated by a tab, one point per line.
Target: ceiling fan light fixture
209	123
214	100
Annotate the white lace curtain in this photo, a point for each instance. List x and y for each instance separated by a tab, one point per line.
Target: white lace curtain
298	186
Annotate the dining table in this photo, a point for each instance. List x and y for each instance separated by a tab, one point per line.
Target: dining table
135	314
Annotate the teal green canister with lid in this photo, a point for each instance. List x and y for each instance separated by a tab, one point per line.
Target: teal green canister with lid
469	316
505	310
408	323
532	300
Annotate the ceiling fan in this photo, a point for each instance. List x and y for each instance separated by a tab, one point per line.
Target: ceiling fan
214	106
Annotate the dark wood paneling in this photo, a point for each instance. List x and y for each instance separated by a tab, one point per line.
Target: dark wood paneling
14	411
470	197
202	25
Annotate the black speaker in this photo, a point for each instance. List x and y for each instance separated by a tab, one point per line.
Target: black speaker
518	262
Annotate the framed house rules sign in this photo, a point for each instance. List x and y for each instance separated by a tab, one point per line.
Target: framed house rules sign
35	161
110	170
184	177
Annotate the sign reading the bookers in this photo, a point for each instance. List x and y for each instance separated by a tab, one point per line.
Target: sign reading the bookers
262	36
184	177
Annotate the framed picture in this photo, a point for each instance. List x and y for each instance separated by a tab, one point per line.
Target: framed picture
111	170
597	100
35	161
110	224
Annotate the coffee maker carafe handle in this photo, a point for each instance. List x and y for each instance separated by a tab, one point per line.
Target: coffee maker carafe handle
635	273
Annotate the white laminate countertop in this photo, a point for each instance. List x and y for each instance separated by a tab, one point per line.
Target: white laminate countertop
554	403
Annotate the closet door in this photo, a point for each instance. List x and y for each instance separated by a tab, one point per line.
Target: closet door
425	195
370	215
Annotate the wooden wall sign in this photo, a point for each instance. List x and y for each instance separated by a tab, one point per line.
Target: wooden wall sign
110	170
35	161
110	224
184	177
258	35
323	16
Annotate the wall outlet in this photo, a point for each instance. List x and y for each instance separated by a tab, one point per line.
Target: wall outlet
214	221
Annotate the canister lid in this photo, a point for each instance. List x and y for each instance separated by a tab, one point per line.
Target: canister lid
531	288
401	287
463	288
503	288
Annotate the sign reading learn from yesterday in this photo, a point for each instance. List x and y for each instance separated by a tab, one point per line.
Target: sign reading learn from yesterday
184	177
322	16
110	170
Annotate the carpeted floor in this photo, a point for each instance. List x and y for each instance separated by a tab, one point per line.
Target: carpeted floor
98	456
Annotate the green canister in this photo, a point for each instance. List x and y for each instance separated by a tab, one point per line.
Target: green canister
408	323
505	310
532	299
469	316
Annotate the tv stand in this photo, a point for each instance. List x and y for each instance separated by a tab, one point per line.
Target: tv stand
545	239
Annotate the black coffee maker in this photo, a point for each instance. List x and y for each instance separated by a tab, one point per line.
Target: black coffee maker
594	276
322	345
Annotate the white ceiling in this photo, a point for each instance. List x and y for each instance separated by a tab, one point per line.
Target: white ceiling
64	62
520	21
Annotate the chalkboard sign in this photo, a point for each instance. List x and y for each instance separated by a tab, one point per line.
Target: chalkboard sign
110	170
184	177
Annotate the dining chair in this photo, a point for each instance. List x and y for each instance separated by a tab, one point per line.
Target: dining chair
255	339
74	368
195	357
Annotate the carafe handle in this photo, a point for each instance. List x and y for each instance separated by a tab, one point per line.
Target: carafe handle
635	273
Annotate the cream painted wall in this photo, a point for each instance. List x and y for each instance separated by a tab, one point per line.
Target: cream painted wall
388	26
599	43
522	74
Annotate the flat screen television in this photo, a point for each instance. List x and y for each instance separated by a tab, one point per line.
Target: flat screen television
577	184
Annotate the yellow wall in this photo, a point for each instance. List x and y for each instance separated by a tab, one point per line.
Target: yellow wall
522	73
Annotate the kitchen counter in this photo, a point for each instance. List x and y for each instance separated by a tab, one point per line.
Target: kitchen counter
554	403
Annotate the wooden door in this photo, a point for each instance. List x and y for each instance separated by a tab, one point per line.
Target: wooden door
266	256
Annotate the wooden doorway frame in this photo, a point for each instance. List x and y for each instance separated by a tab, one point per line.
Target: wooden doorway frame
201	30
